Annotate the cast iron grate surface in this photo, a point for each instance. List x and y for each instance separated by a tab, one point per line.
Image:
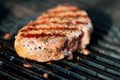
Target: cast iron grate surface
102	64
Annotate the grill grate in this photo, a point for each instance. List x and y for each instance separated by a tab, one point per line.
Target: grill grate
103	62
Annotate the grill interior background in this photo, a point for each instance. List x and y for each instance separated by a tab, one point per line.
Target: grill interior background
102	63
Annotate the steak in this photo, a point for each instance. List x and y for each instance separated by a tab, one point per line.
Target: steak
55	34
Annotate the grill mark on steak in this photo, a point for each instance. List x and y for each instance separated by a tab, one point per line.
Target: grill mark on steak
34	24
29	35
33	28
47	21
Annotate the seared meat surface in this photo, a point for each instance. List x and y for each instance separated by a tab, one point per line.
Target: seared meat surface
55	34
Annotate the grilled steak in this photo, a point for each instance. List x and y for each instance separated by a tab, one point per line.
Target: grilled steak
55	34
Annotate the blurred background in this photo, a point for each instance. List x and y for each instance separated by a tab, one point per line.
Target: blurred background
103	13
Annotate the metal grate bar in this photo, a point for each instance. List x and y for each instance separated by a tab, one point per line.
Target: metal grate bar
51	75
20	71
106	51
7	76
100	65
100	35
105	59
66	72
78	71
11	58
107	45
34	68
90	71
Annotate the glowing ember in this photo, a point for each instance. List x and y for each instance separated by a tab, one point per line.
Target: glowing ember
27	65
7	36
85	51
49	62
45	75
78	58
